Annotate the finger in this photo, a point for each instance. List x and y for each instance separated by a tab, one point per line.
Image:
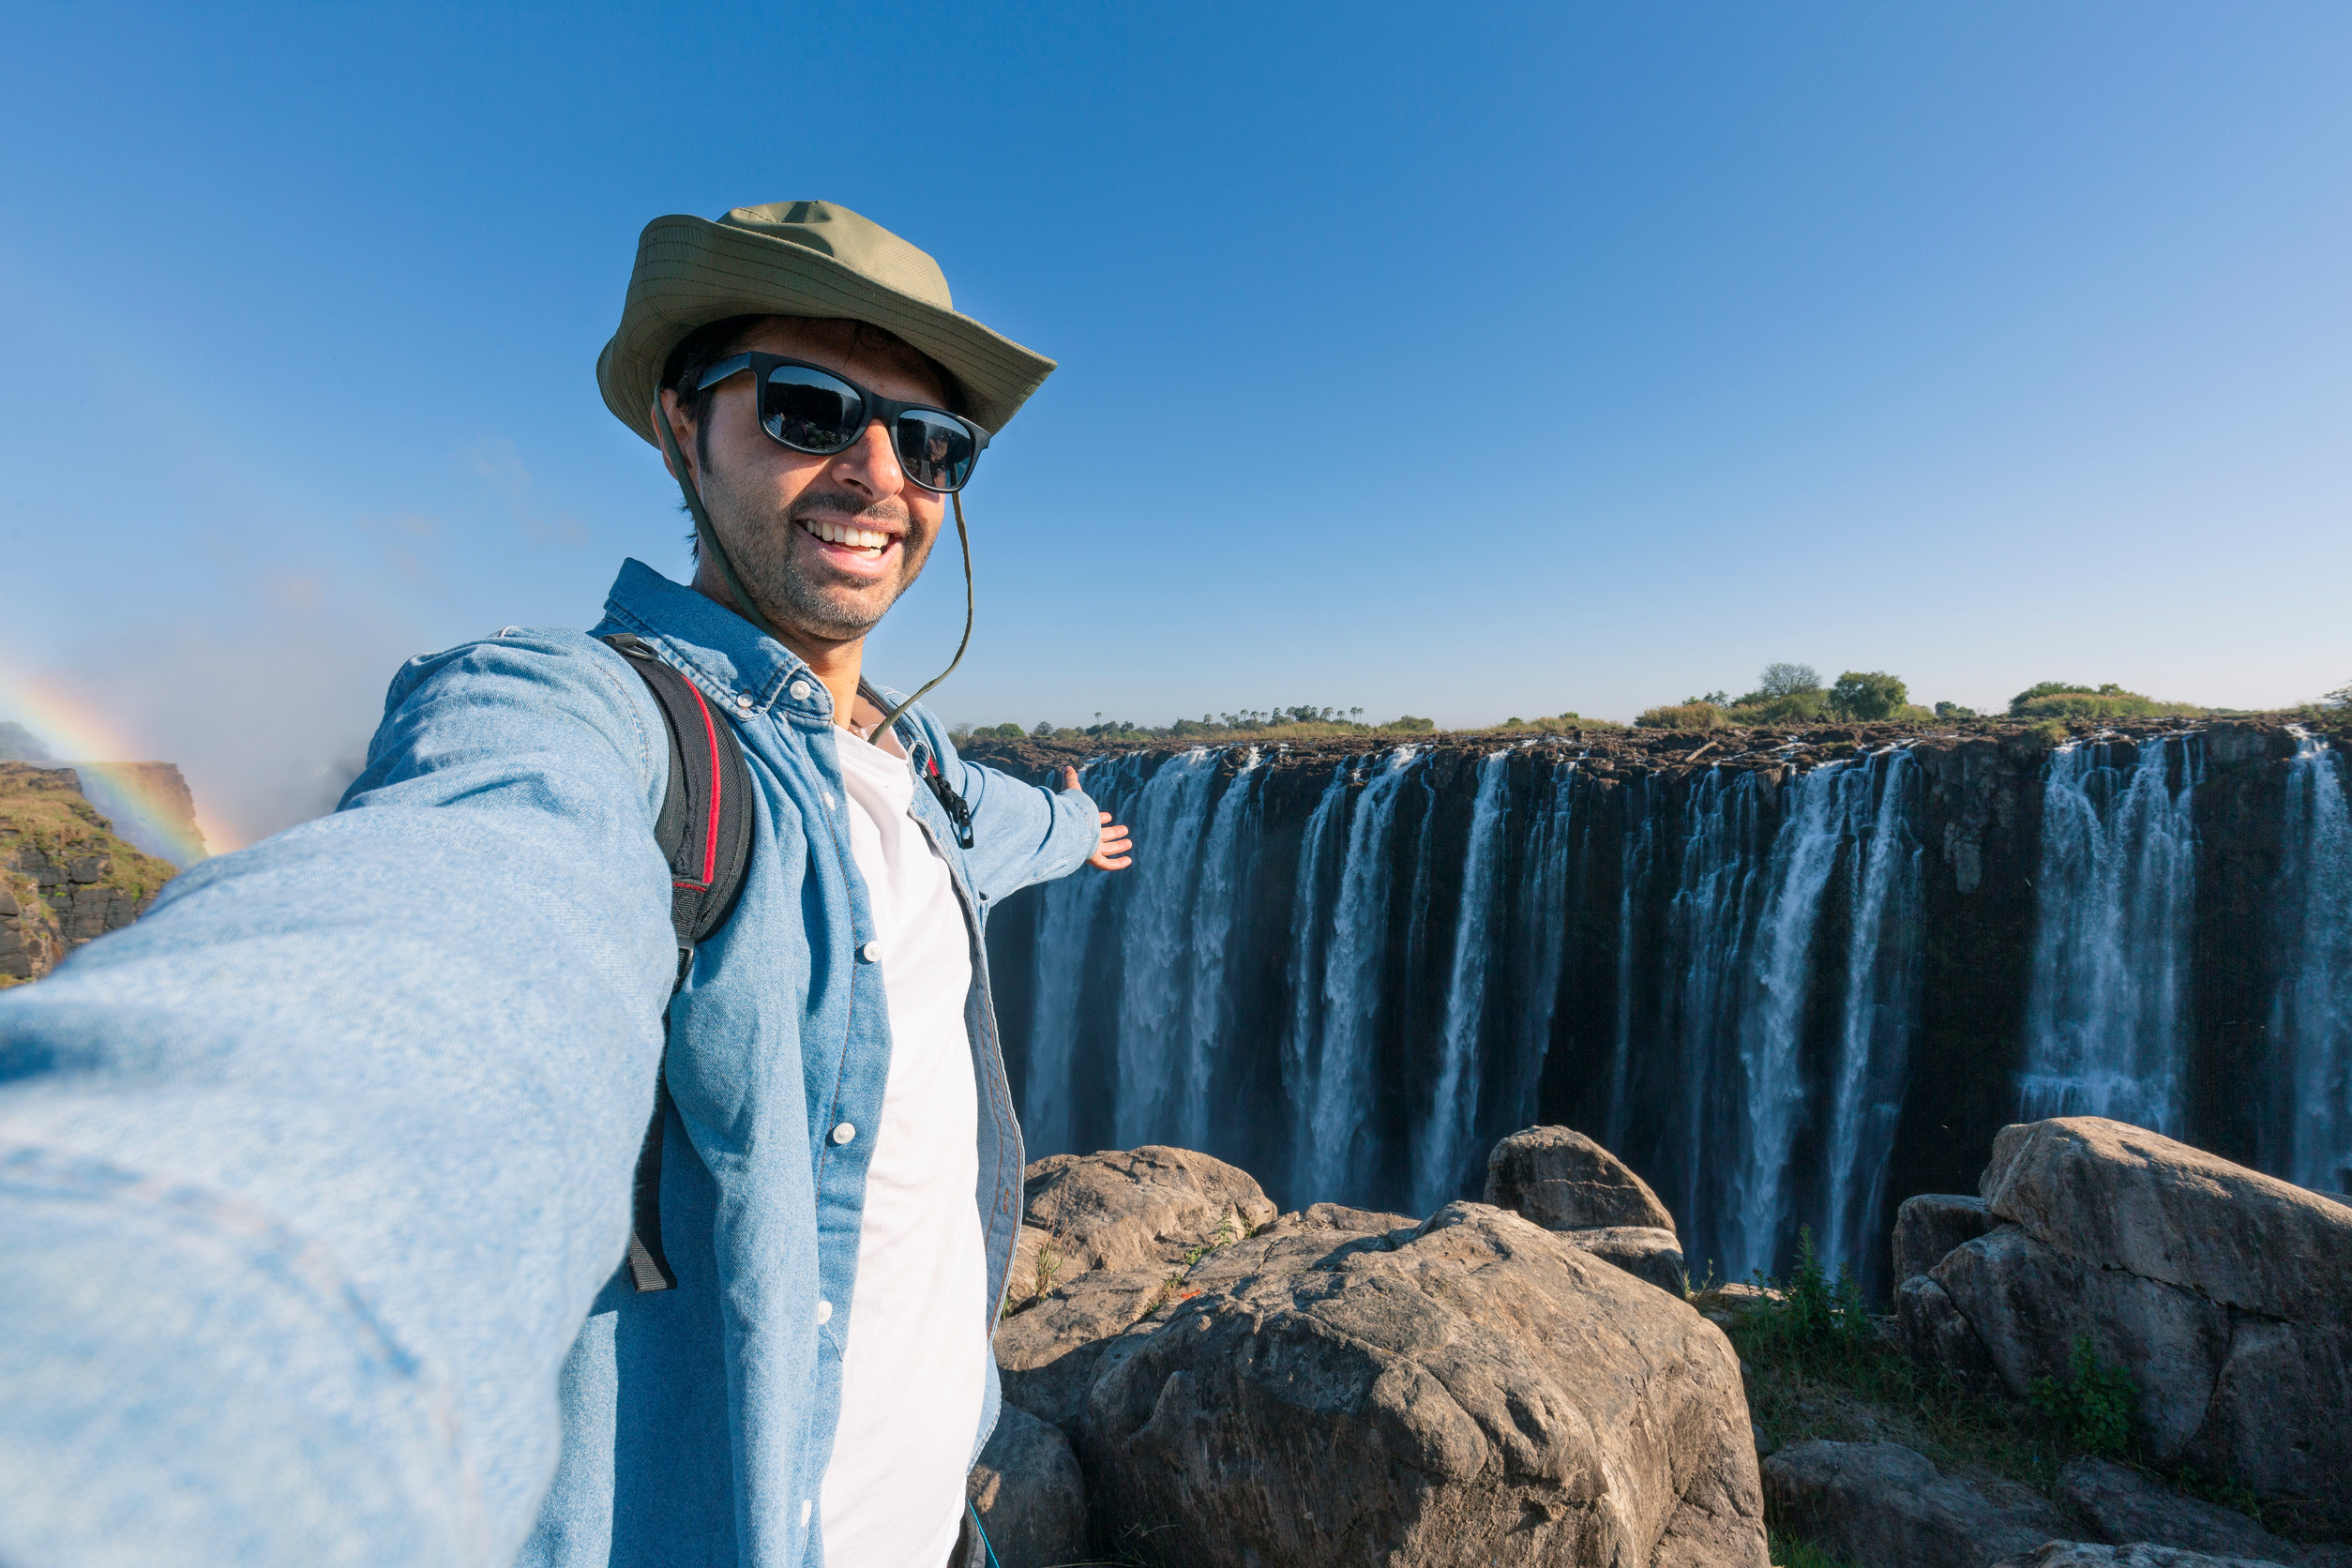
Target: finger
1069	777
1107	864
1115	834
1104	815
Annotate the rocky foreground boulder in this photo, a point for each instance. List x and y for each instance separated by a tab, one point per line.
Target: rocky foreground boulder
1886	1505
1338	1385
1566	1182
2226	1295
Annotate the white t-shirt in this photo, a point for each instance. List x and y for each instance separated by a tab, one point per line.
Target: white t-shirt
915	1372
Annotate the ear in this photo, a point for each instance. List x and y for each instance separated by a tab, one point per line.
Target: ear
681	431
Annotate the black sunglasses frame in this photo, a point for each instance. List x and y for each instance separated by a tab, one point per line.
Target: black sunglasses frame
876	407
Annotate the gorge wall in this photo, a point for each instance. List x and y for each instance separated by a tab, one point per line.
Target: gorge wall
1790	979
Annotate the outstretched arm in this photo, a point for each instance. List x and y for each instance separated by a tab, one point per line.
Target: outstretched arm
1111	851
309	1177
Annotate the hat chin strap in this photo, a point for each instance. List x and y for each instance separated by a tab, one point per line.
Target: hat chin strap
751	611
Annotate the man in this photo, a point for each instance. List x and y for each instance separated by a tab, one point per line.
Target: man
318	1177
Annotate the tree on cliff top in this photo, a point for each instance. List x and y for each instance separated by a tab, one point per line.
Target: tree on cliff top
1786	680
1865	695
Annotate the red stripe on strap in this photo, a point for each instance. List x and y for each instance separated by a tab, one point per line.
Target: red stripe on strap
710	835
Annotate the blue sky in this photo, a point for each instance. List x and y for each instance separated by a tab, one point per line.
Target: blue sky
1463	362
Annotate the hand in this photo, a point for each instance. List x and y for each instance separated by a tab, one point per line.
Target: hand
1111	849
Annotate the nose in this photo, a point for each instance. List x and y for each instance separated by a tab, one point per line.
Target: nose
871	463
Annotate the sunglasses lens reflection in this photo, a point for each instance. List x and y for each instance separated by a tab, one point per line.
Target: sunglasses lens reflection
935	451
811	410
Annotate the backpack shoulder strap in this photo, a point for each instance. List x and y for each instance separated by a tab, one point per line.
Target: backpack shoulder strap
704	831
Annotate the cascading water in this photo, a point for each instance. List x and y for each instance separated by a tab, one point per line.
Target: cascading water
1226	853
1336	1094
2106	1018
1442	1148
1156	897
1880	1019
2312	1016
1349	979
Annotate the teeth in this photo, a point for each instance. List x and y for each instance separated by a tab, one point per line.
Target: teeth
866	539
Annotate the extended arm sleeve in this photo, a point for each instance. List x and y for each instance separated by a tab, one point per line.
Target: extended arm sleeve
308	1179
1022	833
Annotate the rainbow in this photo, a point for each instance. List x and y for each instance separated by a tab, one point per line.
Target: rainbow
142	808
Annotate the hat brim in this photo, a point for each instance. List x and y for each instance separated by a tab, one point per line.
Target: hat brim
691	272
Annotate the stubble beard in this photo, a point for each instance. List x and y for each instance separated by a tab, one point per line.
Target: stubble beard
762	552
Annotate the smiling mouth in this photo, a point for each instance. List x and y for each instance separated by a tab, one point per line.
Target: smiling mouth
868	542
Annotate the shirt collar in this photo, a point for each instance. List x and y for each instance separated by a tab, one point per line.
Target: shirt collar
728	657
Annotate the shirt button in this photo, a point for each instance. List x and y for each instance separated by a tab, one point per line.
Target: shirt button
871	952
824	1312
800	691
743	701
843	1133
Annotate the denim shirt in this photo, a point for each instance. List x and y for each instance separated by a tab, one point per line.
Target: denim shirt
317	1179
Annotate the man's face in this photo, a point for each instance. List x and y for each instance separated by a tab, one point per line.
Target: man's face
825	545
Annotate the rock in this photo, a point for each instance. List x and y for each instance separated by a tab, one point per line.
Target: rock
2028	1302
1651	1256
1928	1227
1887	1506
1030	1494
2126	1505
1475	1390
1046	1349
2078	1554
1563	1181
1142	1209
1934	1330
2221	1292
2119	1196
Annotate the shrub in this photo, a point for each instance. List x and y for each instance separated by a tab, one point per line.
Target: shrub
2093	1406
2100	705
1795	707
1682	716
2050	688
1863	694
2340	698
2049	734
1953	709
1411	724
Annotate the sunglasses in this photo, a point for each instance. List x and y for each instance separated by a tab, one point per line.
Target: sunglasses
810	409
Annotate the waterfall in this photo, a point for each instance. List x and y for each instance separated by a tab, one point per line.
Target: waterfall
1880	1016
1226	853
1442	1148
1539	943
1709	927
1065	923
1155	898
2311	1018
1637	856
2106	1015
1804	853
1332	1147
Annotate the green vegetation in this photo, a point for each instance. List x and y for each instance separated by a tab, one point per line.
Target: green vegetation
1819	1366
1869	695
2072	699
2092	1406
1795	1551
1695	713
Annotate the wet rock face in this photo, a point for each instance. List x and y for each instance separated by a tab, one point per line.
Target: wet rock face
1883	1503
2226	1296
1563	1181
1480	1392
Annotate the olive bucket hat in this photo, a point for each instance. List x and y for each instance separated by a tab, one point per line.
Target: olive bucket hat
814	259
800	259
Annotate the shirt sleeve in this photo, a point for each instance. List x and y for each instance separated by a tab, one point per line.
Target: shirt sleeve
1020	832
309	1177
